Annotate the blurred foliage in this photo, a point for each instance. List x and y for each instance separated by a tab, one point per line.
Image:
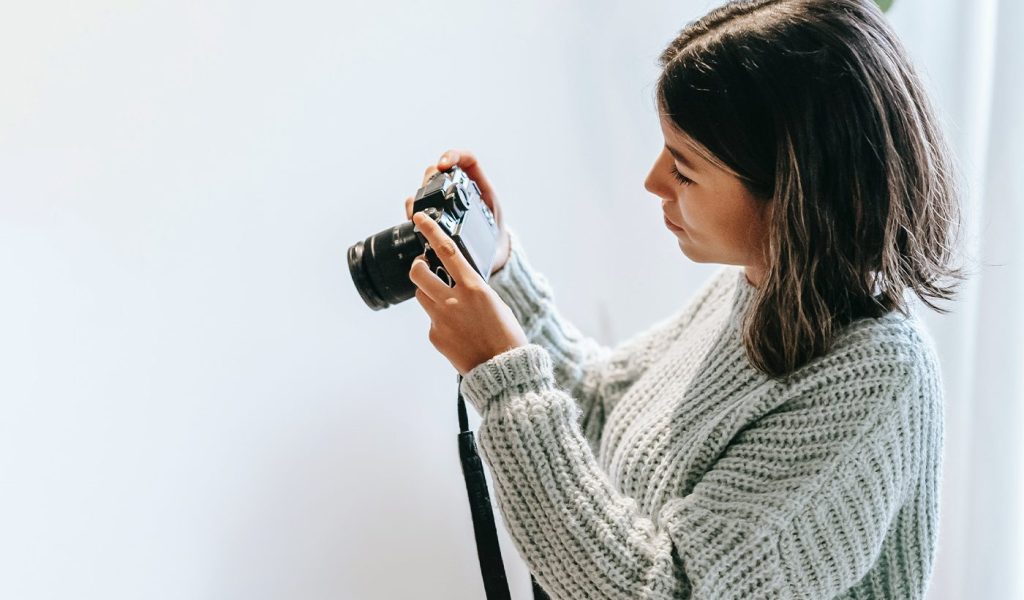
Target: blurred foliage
884	4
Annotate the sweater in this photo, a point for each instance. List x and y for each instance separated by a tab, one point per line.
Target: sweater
669	467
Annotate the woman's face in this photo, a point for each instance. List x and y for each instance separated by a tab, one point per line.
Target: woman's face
713	215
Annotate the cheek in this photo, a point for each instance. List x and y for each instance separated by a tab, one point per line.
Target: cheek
697	210
741	227
714	218
722	220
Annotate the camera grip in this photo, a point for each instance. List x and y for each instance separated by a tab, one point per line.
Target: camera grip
437	267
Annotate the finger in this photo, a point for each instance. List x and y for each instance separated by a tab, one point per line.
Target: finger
447	251
429	306
467	161
430	173
428	282
408	207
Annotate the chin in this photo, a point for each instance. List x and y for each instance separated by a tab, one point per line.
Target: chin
688	251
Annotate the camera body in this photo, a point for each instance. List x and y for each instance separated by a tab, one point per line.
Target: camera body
453	200
380	264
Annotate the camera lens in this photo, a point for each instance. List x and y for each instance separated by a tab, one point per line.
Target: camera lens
380	265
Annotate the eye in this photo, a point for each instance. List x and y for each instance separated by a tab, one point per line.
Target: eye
682	179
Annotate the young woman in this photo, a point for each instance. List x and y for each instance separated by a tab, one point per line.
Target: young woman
781	435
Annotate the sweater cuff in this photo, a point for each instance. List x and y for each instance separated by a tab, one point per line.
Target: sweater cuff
517	371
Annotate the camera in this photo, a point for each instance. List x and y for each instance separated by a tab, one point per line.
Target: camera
380	264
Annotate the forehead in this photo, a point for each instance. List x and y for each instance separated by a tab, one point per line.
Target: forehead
676	137
694	154
680	145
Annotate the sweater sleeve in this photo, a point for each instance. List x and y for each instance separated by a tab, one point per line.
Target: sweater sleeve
593	374
796	507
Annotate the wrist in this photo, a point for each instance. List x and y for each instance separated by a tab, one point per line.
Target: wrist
504	253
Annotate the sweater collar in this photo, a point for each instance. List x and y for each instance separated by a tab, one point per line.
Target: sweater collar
742	295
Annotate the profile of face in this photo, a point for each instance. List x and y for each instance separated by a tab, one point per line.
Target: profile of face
712	213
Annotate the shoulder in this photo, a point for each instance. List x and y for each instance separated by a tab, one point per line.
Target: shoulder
895	339
884	357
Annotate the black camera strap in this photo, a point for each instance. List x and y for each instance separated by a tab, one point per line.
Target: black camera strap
491	566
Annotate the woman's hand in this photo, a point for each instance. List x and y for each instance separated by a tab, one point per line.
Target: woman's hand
469	323
466	161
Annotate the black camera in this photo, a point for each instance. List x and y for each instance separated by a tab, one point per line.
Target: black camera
380	264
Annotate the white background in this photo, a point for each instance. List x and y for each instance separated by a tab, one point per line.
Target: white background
195	402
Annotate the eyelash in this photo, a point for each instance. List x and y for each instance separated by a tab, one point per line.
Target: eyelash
682	179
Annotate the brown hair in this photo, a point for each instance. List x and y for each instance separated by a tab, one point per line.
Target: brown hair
815	106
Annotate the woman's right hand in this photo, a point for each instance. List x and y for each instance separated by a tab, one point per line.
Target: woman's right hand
466	161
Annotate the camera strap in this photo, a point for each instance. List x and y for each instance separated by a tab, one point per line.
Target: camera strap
491	566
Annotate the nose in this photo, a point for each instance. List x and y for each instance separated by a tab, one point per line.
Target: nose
649	181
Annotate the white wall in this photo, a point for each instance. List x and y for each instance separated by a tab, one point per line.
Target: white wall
194	401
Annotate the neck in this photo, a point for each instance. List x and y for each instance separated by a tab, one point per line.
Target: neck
754	275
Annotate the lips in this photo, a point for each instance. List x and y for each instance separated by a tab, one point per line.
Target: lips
670	224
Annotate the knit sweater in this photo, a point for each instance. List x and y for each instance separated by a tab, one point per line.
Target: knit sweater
669	467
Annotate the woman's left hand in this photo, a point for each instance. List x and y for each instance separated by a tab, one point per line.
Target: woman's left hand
469	323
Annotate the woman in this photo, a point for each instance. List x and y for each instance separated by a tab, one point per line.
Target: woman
781	435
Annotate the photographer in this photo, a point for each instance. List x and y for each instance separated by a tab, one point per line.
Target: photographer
780	436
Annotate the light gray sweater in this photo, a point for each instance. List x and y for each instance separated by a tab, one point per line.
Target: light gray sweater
668	467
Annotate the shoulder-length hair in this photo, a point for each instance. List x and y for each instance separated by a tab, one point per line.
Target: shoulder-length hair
815	107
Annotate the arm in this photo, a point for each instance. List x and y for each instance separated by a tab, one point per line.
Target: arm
593	374
797	507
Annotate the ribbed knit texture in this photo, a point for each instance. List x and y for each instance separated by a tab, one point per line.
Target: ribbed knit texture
668	467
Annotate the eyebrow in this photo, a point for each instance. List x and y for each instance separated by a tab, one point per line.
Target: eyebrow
678	156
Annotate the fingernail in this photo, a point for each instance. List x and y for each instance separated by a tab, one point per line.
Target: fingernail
443	160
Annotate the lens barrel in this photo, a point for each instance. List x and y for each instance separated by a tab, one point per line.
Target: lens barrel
380	265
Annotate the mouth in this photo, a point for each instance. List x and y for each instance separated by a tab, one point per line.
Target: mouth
672	225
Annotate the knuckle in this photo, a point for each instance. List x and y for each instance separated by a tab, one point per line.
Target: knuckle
447	249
